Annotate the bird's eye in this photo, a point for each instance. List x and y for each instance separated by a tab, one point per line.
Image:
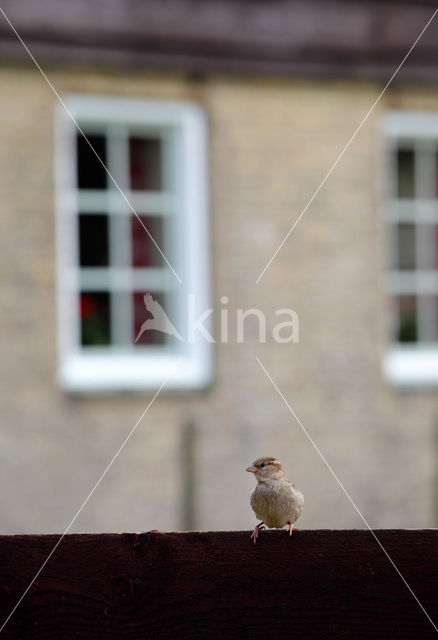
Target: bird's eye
262	464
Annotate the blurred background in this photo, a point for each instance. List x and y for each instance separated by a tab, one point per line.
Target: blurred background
218	120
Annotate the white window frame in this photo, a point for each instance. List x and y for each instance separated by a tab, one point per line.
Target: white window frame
108	370
408	365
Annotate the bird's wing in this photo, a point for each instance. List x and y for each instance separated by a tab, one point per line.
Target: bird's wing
295	492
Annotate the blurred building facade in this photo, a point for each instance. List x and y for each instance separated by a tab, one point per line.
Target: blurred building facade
251	104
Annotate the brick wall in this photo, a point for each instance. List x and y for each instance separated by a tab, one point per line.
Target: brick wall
271	143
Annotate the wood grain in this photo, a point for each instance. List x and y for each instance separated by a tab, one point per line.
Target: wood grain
317	584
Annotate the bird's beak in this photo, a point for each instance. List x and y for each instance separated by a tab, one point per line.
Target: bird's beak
252	469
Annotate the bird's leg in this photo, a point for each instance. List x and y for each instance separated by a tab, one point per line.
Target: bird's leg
291	526
255	533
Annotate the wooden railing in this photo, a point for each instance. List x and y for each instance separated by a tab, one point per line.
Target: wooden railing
219	585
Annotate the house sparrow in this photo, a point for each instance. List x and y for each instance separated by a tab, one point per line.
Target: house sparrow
275	500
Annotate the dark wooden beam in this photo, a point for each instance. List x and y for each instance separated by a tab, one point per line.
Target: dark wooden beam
219	585
325	38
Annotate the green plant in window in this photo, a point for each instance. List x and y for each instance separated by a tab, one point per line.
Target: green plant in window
408	328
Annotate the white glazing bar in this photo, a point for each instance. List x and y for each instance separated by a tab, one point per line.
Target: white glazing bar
93	201
424	211
424	240
119	241
412	282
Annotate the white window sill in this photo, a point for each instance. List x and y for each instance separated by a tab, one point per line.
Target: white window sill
412	366
91	373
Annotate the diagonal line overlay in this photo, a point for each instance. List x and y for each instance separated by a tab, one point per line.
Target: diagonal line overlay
347	146
107	468
321	455
75	122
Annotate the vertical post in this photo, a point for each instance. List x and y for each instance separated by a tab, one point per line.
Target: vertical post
435	476
188	466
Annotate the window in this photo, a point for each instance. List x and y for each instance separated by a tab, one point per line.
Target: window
139	229
411	212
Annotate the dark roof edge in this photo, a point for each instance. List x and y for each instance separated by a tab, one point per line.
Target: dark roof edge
330	38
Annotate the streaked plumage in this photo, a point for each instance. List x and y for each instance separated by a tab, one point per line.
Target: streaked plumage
275	500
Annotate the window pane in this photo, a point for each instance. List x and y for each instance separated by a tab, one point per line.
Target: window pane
95	318
152	319
408	319
427	324
405	246
145	164
405	173
436	175
144	252
434	232
435	318
93	240
91	174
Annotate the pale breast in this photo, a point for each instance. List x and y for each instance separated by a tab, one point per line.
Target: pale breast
277	502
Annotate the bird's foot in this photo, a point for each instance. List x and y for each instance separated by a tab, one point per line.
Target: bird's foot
255	533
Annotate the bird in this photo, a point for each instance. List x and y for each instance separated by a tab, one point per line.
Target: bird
159	320
275	500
